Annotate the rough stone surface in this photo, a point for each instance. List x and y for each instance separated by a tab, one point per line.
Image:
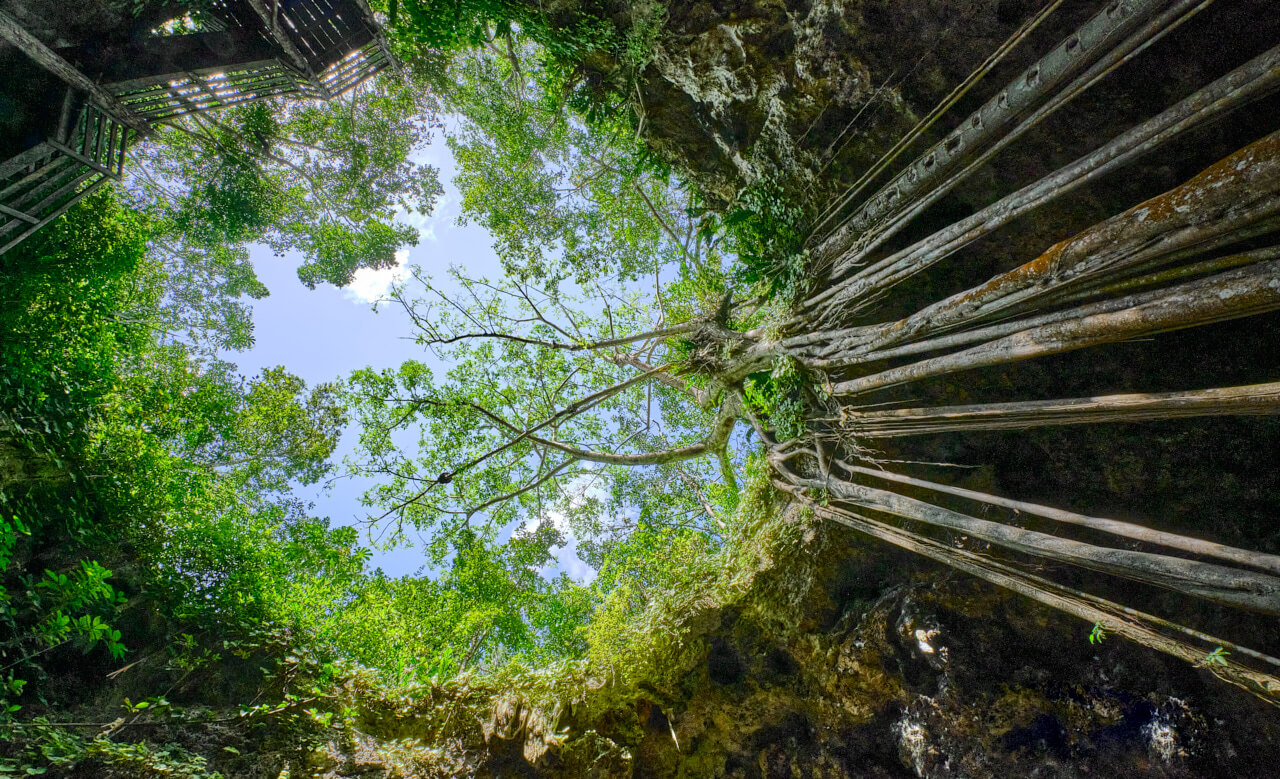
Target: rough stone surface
883	667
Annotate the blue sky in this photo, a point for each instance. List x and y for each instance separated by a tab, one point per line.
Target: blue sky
326	333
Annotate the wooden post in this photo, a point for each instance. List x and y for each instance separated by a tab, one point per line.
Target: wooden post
379	35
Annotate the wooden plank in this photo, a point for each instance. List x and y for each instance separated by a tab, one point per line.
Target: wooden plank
50	182
16	214
346	70
69	176
121	89
54	162
83	160
156	59
99	135
379	35
206	89
276	86
55	200
15	188
110	152
314	26
15	224
19	161
281	37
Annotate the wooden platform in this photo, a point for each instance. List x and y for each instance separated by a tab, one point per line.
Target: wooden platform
117	85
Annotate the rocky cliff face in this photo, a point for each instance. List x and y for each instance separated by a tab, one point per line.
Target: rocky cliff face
743	90
849	661
811	92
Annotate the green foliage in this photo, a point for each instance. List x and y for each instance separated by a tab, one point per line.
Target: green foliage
489	605
457	473
430	26
66	291
1217	657
458	420
1097	635
765	230
45	613
647	633
564	194
47	746
142	486
279	433
778	395
323	179
145	484
639	632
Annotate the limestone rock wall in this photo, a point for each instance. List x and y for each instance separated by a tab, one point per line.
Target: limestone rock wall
883	666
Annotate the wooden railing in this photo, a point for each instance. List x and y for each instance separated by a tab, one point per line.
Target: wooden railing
41	183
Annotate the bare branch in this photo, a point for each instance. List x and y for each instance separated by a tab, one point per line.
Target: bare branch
659	334
537	482
569	411
714	441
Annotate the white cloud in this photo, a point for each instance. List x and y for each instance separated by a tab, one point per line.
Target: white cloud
567	560
566	557
369	285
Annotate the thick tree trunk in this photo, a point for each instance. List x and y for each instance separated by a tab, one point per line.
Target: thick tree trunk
1255	399
849	347
1144	629
1229	586
1251	81
1251	290
1139	273
1236	198
1265	562
1102	43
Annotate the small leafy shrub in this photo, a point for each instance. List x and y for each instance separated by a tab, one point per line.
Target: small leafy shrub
766	231
778	395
